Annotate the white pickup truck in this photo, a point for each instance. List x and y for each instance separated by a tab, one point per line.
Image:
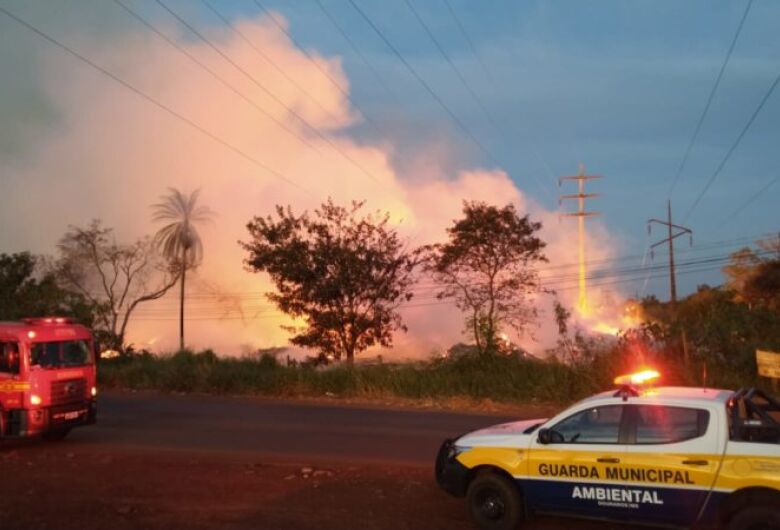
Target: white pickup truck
669	456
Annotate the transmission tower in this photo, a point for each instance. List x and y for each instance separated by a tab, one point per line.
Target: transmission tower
674	231
580	214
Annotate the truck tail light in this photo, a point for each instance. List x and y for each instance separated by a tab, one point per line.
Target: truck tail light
94	391
35	400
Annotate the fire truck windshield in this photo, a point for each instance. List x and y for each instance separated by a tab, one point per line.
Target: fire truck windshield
61	354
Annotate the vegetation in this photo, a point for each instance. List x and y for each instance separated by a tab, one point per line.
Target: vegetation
723	327
493	377
29	288
113	278
178	239
344	274
487	267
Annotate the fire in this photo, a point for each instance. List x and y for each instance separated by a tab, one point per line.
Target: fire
603	318
604	328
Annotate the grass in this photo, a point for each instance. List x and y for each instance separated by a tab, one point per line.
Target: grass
495	378
499	379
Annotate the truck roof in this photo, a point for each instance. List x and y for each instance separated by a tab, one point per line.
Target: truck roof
45	330
677	394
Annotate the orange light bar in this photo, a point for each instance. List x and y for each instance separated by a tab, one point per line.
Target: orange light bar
638	378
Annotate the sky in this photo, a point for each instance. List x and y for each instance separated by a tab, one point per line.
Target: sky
509	97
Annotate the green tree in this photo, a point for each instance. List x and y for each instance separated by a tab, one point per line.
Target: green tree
488	268
763	286
346	275
754	274
29	289
114	278
179	239
742	264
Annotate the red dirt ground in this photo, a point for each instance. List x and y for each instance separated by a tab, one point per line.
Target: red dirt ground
57	486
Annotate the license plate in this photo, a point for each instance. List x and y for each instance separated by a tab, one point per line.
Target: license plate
69	415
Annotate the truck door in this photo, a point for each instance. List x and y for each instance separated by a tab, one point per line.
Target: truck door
10	387
672	452
566	474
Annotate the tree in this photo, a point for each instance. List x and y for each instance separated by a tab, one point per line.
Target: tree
345	275
754	276
179	239
763	286
28	289
741	267
115	278
487	267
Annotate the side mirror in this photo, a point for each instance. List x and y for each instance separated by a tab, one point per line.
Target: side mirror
545	436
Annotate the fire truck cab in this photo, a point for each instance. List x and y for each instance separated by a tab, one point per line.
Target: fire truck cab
47	378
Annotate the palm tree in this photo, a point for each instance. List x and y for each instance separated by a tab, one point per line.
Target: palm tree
179	240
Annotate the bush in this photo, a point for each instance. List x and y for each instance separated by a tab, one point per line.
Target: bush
485	377
494	376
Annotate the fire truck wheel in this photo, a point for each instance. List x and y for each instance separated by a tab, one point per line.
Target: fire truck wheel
495	502
56	435
756	518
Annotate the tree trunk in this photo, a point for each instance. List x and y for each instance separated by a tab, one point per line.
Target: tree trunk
477	339
181	306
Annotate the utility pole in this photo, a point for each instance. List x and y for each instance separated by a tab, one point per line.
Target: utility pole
674	231
580	214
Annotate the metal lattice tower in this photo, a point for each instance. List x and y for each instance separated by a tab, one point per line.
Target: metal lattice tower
580	214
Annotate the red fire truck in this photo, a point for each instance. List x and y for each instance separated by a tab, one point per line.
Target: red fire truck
47	378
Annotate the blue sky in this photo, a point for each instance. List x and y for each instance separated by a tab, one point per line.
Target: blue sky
616	85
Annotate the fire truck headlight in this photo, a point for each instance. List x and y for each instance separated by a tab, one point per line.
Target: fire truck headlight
94	391
35	400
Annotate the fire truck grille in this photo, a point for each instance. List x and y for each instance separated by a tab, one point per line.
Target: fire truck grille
68	391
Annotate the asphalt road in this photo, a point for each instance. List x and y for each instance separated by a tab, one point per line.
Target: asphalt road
275	428
129	480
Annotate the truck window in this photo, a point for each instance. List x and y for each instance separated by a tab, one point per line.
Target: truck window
660	424
9	358
61	354
599	425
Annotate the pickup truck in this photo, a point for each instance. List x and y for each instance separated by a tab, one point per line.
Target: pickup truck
669	456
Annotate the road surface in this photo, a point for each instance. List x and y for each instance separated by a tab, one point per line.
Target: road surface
192	462
276	428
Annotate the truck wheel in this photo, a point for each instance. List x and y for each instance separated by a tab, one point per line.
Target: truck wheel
495	502
56	435
756	518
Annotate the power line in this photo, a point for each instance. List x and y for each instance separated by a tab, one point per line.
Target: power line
152	100
734	146
492	78
215	75
277	314
562	282
469	41
314	62
710	98
266	58
270	311
463	80
267	91
355	48
597	273
750	201
465	130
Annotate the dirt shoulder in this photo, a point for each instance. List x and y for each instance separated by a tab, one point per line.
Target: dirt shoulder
65	486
